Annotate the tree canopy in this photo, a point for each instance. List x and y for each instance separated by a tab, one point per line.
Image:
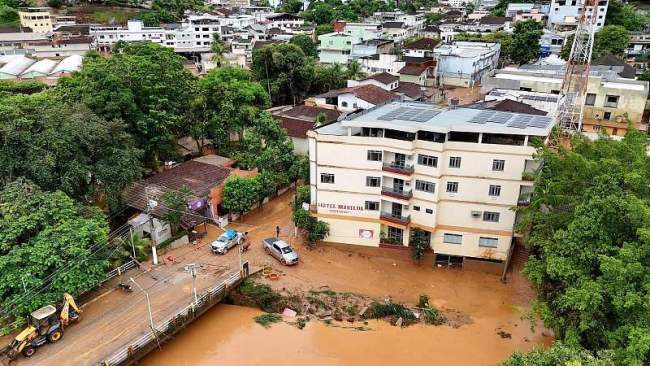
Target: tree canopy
611	39
47	242
626	15
588	230
143	84
306	44
525	42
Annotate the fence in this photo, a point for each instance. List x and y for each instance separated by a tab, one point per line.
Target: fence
163	331
119	270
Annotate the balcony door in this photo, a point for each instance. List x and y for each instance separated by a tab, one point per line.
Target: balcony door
400	160
398	185
396	210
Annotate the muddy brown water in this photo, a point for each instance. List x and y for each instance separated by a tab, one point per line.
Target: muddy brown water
227	335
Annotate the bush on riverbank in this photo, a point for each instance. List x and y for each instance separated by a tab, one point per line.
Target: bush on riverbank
267	319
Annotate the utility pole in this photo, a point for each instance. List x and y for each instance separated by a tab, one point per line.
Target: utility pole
191	269
146	294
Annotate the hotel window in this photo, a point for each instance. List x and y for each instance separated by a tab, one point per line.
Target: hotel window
452	187
326	178
424	186
488	242
374	155
491	216
498	165
373	181
372	205
452	238
494	191
428	160
454	162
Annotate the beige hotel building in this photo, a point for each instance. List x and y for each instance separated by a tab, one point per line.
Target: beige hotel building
454	173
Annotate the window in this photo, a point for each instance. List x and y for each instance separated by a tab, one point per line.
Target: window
611	101
454	162
424	186
395	235
416	208
344	104
326	178
494	191
452	238
488	242
372	205
607	116
429	211
498	165
427	160
452	187
374	155
525	89
491	216
373	181
590	99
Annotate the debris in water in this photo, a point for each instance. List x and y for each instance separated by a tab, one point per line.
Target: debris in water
504	334
289	313
399	322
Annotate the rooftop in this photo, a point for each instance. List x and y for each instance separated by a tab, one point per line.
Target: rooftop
370	93
384	78
423	44
297	120
414	116
508	105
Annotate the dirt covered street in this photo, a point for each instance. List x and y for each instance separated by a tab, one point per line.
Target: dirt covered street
494	310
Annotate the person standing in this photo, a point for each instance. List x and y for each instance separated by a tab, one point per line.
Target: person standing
277	232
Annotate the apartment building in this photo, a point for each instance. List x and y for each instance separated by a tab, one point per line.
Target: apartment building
464	63
454	173
610	99
38	19
564	14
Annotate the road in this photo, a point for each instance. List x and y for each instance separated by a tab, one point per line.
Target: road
110	321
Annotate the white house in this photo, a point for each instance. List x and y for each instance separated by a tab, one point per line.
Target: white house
464	63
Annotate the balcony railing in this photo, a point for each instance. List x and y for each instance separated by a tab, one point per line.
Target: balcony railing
398	168
611	104
403	194
402	220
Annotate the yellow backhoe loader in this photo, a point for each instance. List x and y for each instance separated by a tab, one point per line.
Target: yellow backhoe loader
45	325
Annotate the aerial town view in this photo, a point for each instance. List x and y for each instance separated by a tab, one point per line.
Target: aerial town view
324	182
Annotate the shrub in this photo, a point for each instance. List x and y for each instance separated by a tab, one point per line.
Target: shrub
424	301
263	296
433	316
267	319
392	311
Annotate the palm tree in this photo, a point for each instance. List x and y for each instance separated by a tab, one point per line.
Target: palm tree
353	71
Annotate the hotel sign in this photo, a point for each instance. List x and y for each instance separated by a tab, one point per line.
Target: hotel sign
340	208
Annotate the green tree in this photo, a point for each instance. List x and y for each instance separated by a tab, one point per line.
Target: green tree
419	244
66	147
324	29
525	41
284	70
218	49
565	53
560	354
291	6
353	71
306	44
174	204
150	19
240	194
232	101
612	39
176	8
48	245
500	9
588	232
645	76
321	13
626	15
327	77
434	19
143	84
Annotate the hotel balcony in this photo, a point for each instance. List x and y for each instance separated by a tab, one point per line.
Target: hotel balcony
396	219
403	194
397	168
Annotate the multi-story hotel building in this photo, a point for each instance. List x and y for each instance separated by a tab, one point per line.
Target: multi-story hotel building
455	173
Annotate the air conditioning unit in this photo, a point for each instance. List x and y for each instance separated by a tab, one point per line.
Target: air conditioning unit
476	213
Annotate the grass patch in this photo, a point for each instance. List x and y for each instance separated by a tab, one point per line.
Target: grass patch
326	292
352	310
267	319
433	316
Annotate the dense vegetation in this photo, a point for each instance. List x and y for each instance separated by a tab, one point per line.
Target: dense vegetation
611	39
588	230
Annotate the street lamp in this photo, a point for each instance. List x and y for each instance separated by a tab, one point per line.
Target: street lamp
146	294
191	268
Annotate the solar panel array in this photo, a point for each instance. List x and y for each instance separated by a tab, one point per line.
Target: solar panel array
409	114
511	119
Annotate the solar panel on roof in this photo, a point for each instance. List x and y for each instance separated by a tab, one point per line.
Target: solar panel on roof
500	117
409	114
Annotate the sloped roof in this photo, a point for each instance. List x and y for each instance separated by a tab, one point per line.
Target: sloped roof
489	19
297	120
393	25
69	64
411	90
41	67
16	66
423	44
370	93
283	16
384	78
508	105
629	72
414	69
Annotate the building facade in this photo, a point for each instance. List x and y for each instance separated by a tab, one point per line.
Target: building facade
565	13
455	174
38	19
464	63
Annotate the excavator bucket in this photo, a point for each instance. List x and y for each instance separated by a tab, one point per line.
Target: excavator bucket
7	356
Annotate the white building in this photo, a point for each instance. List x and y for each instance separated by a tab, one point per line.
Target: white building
456	174
464	63
564	14
38	19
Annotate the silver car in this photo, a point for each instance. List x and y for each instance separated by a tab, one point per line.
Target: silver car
280	250
226	241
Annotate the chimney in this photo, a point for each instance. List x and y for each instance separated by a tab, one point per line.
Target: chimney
339	26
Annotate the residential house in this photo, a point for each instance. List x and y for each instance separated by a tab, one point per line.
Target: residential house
377	63
397	31
508	105
353	98
284	21
430	31
408	90
335	48
564	14
297	120
38	19
422	47
422	73
464	63
372	47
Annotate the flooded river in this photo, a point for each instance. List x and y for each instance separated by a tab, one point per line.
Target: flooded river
227	335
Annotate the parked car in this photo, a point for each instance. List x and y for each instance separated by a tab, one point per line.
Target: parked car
280	250
226	241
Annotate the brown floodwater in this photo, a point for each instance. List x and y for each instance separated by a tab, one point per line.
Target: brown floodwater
227	335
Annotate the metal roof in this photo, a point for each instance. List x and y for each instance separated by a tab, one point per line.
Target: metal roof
16	66
69	64
43	67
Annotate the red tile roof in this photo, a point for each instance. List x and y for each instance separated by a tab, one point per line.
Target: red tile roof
411	90
297	120
414	69
423	44
384	78
370	93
